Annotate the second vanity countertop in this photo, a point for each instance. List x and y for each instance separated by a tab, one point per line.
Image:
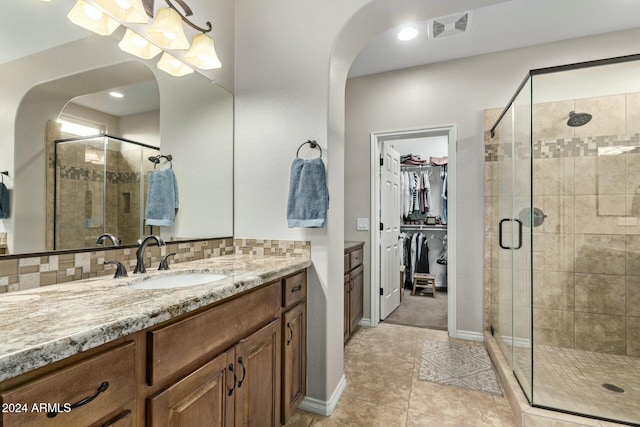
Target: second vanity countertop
43	325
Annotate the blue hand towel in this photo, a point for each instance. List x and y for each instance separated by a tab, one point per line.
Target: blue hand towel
4	201
308	194
162	198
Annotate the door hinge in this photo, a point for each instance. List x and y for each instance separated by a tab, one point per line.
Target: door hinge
381	227
381	161
381	291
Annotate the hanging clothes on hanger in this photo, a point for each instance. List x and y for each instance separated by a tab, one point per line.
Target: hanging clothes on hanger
444	194
423	259
442	259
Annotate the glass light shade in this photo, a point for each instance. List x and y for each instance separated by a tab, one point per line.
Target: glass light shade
136	45
166	30
87	16
202	53
173	66
125	10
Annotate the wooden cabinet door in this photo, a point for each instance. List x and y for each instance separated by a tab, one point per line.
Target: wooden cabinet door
294	359
356	303
347	307
203	398
258	361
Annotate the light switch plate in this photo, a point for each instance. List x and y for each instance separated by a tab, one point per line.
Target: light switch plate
362	224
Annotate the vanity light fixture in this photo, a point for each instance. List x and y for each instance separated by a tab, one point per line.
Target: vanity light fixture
164	33
171	65
202	53
124	10
407	33
166	30
137	45
93	19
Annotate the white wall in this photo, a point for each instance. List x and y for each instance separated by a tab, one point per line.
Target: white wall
291	61
111	123
456	92
141	127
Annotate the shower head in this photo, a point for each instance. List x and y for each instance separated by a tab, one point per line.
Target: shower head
578	119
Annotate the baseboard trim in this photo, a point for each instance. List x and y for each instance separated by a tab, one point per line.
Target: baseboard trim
469	335
366	322
322	407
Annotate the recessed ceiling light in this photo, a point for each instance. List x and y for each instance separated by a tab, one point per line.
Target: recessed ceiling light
116	94
407	33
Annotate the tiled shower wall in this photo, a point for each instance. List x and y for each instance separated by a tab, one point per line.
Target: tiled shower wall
81	194
586	255
32	272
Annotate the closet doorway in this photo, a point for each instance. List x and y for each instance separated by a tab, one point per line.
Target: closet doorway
426	237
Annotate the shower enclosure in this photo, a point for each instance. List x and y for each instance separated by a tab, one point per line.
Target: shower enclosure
100	184
563	215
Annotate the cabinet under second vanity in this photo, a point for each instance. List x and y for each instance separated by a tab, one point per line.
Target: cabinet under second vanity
99	353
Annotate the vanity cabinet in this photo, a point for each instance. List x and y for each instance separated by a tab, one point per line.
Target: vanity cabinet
294	344
238	362
240	387
353	287
100	387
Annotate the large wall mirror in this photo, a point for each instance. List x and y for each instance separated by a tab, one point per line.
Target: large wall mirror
61	75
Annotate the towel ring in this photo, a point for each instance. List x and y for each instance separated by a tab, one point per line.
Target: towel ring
156	159
312	144
4	173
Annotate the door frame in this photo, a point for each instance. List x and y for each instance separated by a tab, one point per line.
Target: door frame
377	138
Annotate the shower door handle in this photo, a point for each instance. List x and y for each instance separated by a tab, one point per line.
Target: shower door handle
500	234
519	234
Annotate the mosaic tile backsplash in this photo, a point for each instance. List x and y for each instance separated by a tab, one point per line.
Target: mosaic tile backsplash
32	272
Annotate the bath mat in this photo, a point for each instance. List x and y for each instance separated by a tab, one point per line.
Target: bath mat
460	365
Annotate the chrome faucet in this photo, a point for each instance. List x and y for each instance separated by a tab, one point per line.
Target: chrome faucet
140	252
105	236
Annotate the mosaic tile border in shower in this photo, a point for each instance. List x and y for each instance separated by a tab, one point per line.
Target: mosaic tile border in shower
90	175
565	147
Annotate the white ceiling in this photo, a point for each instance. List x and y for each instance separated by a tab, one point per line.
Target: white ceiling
138	98
30	26
508	25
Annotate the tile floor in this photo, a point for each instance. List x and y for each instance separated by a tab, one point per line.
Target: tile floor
383	389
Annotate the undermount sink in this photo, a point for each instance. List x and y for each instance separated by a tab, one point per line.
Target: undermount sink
178	281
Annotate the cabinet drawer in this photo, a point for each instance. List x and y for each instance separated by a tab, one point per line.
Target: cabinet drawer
356	258
72	385
347	267
175	346
294	289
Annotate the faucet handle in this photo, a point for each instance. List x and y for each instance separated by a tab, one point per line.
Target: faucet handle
164	262
121	270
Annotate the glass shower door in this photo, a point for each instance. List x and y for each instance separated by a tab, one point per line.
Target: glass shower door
513	317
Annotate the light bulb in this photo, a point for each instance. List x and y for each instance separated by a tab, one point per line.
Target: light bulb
170	35
408	33
92	12
140	42
124	4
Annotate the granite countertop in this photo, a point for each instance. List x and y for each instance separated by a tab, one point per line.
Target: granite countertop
349	246
43	325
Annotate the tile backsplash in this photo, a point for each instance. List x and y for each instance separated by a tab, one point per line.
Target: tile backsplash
35	271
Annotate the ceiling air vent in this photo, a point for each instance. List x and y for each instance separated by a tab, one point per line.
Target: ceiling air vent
451	25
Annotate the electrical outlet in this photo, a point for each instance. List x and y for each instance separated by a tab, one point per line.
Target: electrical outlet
362	224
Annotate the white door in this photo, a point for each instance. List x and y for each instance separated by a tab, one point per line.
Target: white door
390	231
